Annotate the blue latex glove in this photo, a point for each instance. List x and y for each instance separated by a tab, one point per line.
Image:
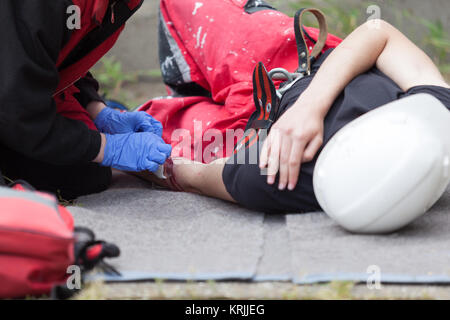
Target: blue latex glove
115	122
135	151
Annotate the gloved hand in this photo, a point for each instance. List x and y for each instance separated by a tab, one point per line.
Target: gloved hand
135	151
115	122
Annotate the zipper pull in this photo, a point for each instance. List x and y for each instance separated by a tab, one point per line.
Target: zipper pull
113	18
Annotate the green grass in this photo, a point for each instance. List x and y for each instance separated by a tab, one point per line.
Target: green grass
93	291
343	18
113	79
339	290
66	203
7	180
211	290
111	75
115	82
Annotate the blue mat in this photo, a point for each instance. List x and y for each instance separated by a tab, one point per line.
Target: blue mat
184	237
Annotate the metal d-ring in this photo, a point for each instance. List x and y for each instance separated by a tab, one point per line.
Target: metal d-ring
283	74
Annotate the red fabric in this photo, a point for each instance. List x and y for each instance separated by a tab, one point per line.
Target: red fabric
68	106
93	252
222	45
36	245
19	187
92	13
67	217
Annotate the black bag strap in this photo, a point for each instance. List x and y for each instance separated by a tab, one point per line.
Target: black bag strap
84	241
305	59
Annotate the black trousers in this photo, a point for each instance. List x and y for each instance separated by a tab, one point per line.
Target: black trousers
67	182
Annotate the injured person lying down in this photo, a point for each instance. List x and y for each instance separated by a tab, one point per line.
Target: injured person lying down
215	61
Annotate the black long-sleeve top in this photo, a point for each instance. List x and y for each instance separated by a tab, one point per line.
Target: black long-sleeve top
32	34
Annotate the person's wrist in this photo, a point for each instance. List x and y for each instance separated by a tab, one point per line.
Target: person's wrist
104	120
314	103
94	108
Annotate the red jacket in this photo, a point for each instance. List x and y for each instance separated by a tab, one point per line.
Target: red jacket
208	53
44	79
94	14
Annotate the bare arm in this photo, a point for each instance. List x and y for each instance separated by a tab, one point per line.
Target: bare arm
205	179
195	177
94	108
298	134
373	43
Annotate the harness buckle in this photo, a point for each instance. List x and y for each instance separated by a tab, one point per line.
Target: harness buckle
290	79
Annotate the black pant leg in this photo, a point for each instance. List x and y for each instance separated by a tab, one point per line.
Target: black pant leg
68	182
247	185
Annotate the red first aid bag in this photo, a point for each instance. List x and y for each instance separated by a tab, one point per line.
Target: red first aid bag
38	242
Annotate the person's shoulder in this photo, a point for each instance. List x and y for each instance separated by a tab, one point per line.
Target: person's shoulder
40	26
34	12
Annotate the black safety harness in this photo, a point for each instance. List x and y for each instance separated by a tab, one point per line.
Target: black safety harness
265	94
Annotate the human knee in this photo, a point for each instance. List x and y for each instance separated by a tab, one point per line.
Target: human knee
91	179
247	185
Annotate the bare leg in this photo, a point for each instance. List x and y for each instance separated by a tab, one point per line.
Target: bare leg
196	177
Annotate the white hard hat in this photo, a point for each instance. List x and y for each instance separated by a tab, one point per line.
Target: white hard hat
386	168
